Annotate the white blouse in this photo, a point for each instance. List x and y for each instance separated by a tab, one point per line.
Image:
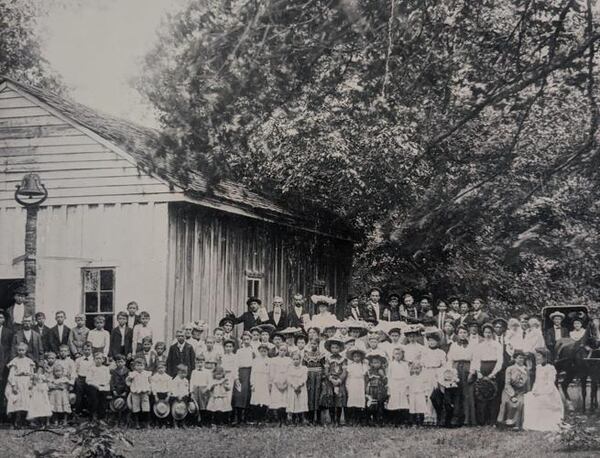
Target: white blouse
487	350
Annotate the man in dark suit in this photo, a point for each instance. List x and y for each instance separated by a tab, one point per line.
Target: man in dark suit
442	314
374	309
43	330
133	317
353	309
477	313
278	317
411	313
16	312
252	317
298	313
26	335
6	337
121	338
59	334
555	333
180	352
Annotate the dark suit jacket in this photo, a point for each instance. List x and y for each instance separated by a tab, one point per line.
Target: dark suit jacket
481	319
293	321
550	338
6	338
44	334
354	312
53	340
115	342
283	321
176	357
35	347
370	313
136	321
247	318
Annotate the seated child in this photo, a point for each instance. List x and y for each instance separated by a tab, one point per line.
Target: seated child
39	403
139	388
58	387
515	386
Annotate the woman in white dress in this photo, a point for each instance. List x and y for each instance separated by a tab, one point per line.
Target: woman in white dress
543	407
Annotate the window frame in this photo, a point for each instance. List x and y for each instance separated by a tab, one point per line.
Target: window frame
109	316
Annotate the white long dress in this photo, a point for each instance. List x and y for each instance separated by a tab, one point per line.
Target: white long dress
355	384
278	371
296	377
259	381
399	374
543	407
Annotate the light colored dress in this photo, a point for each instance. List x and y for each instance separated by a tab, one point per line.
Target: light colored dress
259	381
398	379
296	377
20	372
39	403
220	396
278	371
413	352
59	395
543	407
515	387
432	359
418	393
355	384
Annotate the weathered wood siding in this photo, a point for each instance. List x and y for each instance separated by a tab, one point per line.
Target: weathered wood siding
132	238
211	253
75	167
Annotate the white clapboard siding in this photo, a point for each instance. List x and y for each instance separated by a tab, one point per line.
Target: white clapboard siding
76	167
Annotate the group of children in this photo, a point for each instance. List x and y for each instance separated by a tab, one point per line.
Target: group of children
354	372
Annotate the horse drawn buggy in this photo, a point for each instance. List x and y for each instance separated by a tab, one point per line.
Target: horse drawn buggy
572	334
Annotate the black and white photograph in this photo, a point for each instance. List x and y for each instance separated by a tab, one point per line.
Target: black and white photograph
299	228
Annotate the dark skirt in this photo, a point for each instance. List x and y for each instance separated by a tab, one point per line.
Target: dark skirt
464	413
487	411
333	396
241	397
313	387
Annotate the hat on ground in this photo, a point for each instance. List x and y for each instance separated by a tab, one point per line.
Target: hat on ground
253	299
557	313
354	351
161	408
227	319
330	342
117	404
179	410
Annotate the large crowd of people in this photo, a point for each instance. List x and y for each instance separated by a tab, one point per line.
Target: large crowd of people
404	362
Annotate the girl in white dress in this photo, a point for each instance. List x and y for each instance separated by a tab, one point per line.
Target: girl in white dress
21	369
297	396
418	394
398	378
278	370
58	387
355	385
543	407
219	402
39	403
259	383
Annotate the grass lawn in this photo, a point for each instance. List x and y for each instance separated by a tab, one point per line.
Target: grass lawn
312	442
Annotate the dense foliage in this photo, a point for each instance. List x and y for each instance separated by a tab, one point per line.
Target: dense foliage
458	137
20	52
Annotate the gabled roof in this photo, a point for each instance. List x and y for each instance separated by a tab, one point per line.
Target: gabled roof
142	144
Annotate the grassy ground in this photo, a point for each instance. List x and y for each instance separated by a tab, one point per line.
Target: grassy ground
312	442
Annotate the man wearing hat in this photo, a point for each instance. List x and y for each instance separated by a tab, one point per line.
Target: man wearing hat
278	317
252	317
16	312
298	316
353	309
555	333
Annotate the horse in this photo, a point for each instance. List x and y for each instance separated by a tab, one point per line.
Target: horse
581	359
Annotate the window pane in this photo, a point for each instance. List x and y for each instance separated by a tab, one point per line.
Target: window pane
91	302
90	280
249	288
108	322
89	321
106	280
106	302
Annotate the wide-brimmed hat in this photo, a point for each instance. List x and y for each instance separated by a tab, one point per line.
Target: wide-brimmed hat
392	295
290	331
192	407
350	353
266	327
277	333
72	398
226	319
485	326
179	410
357	326
253	299
300	335
371	320
485	389
580	316
117	404
374	356
161	408
436	335
557	313
330	342
502	321
413	329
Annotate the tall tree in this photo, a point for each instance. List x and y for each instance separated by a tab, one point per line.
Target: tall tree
446	131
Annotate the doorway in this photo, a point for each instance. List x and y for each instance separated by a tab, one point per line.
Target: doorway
7	289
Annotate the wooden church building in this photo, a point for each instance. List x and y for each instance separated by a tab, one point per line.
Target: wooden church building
118	225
